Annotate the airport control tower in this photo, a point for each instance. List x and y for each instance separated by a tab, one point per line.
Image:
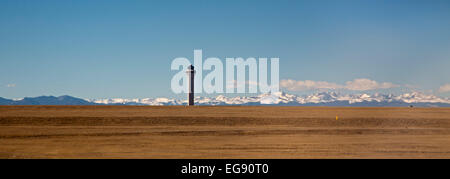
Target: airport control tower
191	72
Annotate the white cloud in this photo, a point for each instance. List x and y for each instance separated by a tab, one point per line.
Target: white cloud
11	85
293	85
444	88
361	84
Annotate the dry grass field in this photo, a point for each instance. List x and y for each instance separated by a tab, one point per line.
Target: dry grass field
223	132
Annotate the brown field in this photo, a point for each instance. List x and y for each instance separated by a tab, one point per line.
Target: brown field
223	132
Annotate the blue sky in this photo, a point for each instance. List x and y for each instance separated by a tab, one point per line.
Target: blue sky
104	49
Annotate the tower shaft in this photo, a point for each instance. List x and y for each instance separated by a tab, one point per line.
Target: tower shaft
191	72
191	89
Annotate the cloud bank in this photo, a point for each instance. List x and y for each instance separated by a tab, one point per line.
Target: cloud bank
444	88
360	84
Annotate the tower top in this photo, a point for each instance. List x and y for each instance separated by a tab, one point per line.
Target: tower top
190	70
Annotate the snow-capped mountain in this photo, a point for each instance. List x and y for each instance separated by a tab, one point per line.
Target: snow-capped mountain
284	99
143	101
278	99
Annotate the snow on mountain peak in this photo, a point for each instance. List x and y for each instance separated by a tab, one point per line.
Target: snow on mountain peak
282	98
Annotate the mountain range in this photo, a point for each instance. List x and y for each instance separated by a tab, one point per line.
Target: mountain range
46	100
275	99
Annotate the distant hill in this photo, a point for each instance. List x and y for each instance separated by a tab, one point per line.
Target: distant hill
46	100
4	101
276	99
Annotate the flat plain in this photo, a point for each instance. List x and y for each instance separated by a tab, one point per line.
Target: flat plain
223	132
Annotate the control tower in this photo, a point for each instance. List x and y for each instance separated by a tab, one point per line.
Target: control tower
191	72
